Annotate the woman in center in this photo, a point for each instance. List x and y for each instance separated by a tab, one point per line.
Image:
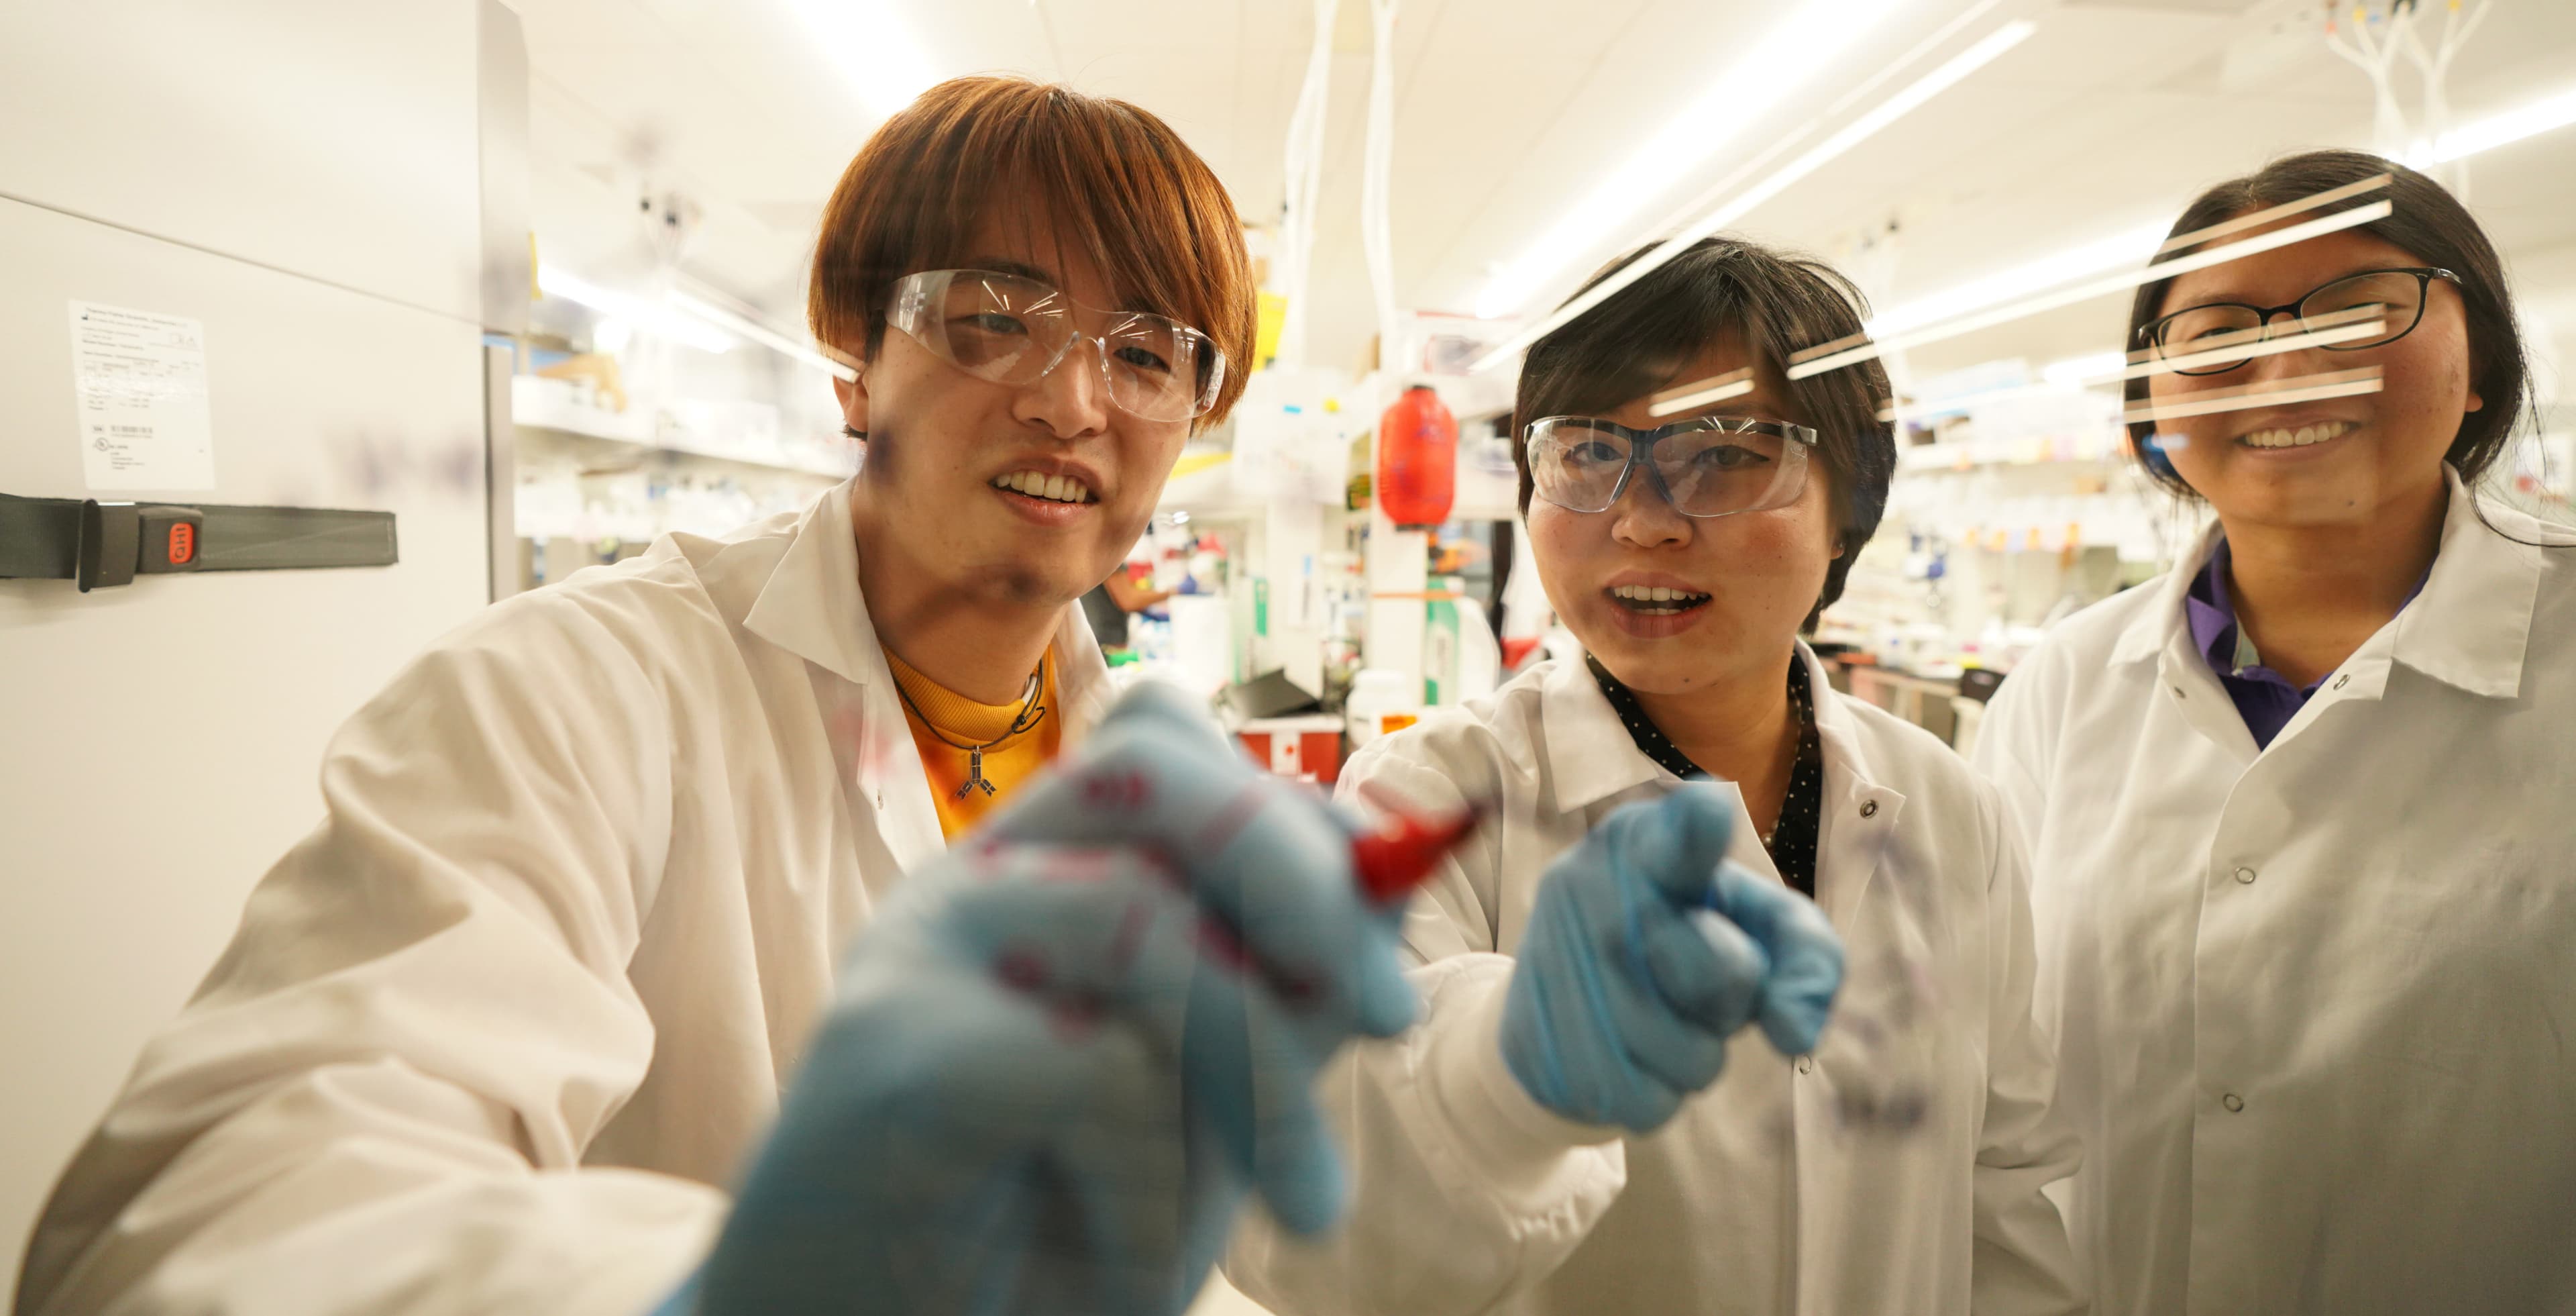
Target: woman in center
1571	1129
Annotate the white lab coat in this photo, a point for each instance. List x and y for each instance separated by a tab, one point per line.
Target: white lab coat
2314	1005
495	1036
1470	1197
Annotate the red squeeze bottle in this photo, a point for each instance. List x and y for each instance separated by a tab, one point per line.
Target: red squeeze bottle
1392	862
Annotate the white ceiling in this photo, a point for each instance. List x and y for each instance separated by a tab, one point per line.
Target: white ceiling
1508	112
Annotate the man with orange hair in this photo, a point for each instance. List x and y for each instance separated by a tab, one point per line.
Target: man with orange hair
497	1034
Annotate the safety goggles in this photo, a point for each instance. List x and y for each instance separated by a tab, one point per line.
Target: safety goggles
1705	466
2209	337
1015	330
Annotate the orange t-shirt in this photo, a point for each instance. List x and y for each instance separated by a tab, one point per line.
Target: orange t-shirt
965	722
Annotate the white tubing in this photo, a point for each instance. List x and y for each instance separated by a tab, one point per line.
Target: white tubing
2434	67
1304	185
2376	60
1377	231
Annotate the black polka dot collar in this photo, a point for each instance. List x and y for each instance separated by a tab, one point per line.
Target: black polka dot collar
1792	842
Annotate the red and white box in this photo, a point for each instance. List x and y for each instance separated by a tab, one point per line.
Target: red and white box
1305	748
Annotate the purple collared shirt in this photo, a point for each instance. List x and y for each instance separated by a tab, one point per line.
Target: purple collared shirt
2263	697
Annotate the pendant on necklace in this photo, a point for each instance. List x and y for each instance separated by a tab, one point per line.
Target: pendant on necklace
974	776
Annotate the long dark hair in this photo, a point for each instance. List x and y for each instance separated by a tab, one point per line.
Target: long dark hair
1630	345
2426	221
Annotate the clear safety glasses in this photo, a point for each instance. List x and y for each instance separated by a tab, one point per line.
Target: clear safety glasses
2205	335
1704	466
1014	330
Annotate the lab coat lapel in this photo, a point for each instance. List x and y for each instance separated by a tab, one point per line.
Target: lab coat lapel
2472	623
1082	683
812	606
896	782
2467	628
2161	634
1860	813
2192	692
1590	756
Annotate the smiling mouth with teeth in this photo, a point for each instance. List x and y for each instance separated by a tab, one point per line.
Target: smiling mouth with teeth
2301	437
1052	488
1655	600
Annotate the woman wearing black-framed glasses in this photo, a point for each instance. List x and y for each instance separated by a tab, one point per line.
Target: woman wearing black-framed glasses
2302	859
2348	313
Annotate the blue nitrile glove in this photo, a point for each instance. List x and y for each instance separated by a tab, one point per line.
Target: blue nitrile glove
1646	950
1060	1056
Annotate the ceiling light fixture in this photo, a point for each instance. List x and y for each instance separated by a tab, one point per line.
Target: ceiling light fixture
1765	76
2486	134
1834	356
2124	250
2128	249
663	321
874	49
1852	134
806	352
2076	370
1717	192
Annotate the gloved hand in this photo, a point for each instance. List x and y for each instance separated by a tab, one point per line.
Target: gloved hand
1060	1055
1646	950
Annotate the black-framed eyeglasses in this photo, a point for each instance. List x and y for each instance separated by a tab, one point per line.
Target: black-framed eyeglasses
1704	466
2210	339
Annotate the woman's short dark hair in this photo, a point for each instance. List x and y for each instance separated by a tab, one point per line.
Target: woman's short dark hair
1634	342
2428	223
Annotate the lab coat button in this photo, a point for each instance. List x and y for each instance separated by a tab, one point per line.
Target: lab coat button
2343	680
2232	1101
2245	875
1806	1064
1869	808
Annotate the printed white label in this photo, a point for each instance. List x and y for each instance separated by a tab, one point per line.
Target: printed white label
141	385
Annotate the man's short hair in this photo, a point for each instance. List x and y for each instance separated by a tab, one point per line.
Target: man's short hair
1109	179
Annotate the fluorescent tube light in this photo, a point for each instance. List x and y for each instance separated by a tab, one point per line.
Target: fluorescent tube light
663	321
2486	134
1786	58
1964	402
1895	107
806	352
2126	249
872	47
2084	369
1886	112
1817	365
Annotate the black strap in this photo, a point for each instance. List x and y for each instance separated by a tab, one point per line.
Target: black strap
39	537
295	538
108	543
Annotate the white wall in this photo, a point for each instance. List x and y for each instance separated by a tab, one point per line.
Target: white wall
300	177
